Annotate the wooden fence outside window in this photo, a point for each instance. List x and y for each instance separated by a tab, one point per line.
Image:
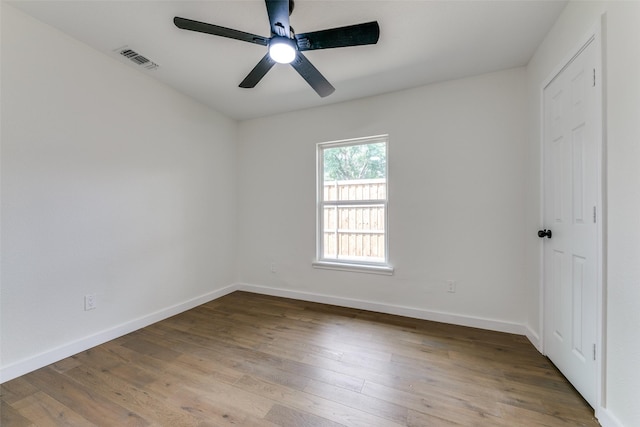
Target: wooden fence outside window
355	231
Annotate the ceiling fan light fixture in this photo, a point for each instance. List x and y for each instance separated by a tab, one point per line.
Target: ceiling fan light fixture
282	50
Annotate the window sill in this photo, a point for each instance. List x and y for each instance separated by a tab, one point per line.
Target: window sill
357	268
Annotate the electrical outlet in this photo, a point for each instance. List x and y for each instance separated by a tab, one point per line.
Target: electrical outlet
451	286
90	302
272	267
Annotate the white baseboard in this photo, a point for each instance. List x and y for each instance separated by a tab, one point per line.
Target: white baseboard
534	338
53	355
607	419
436	316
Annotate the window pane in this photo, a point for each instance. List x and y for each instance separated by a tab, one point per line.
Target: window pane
330	232
358	234
355	172
359	189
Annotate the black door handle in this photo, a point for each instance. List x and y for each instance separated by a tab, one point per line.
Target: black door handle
544	233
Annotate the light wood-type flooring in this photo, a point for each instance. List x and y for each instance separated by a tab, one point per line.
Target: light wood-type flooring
255	360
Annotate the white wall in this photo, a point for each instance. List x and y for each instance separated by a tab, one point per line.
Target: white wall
622	187
623	111
456	157
112	184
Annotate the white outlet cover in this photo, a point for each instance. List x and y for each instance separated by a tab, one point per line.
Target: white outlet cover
451	286
89	302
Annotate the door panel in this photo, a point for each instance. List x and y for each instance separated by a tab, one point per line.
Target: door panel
578	175
578	273
559	297
570	200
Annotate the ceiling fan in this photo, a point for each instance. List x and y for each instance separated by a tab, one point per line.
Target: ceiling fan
286	47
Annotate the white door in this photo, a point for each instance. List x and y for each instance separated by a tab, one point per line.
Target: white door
571	210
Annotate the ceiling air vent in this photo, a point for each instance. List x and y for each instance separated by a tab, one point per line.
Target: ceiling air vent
137	59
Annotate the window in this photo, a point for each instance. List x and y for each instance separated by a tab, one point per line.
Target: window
353	205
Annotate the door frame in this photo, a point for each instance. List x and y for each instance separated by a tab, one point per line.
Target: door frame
594	36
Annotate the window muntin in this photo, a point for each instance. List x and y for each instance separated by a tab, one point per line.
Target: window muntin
352	202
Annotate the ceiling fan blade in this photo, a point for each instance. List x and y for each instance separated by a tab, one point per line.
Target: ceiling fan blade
352	35
311	74
216	30
258	72
278	11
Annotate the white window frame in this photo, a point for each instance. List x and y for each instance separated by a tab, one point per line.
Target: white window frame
382	267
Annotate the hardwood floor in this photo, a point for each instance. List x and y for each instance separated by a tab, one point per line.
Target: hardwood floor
255	360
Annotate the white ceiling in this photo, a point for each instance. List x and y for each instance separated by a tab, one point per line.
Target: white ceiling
421	42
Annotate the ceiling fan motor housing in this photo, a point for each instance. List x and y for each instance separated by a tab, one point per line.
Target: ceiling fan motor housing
282	49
